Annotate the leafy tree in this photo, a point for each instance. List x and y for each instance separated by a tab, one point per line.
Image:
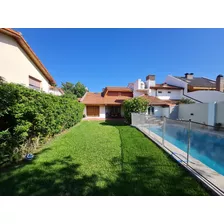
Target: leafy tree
134	105
186	101
68	87
78	89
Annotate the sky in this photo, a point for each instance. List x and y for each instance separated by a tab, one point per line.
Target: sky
116	57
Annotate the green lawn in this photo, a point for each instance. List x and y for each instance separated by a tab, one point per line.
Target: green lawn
100	158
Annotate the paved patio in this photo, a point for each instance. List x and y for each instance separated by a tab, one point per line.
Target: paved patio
102	119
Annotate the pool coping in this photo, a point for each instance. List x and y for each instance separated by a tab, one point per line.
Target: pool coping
207	176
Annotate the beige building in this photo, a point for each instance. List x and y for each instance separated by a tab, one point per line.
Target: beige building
19	64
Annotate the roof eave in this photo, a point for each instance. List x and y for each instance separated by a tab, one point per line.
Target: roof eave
21	41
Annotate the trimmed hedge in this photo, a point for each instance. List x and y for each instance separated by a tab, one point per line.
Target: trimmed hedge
134	105
28	117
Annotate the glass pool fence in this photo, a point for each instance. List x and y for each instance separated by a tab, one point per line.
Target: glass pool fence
200	141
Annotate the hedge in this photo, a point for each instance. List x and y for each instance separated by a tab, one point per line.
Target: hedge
28	117
136	105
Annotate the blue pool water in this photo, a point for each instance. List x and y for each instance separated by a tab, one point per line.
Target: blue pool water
206	147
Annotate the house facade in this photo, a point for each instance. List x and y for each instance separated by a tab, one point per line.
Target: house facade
162	97
107	104
199	89
19	64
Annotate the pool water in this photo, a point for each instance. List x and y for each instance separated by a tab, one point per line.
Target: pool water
206	147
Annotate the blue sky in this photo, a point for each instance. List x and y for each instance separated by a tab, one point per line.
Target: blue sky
115	57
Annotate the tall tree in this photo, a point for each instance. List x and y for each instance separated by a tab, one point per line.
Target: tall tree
68	87
78	89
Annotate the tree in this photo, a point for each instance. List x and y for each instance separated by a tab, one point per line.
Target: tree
78	89
134	105
68	87
186	101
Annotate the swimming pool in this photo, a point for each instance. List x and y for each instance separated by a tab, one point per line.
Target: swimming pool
206	147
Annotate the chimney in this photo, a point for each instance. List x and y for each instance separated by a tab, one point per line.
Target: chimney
189	75
150	77
220	83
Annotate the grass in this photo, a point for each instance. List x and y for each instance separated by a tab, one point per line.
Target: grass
100	158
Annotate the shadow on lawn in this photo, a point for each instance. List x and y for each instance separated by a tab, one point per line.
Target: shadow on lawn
138	178
61	177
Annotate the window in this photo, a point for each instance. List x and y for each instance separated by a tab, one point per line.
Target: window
160	92
169	91
34	83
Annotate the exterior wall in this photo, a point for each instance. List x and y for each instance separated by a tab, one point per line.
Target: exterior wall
150	83
153	92
119	93
166	112
207	96
84	112
16	66
102	112
55	92
158	111
137	84
200	112
176	82
174	95
137	93
173	114
220	113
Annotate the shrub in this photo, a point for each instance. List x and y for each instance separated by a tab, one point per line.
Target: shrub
186	101
134	105
27	117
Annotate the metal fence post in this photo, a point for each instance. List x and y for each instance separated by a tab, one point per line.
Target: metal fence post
164	129
189	141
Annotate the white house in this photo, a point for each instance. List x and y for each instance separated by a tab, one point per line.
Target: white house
162	91
162	97
19	64
199	89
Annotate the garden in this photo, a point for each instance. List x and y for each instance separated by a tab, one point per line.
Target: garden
74	157
100	158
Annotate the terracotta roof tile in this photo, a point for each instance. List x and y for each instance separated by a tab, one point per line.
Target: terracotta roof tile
154	101
118	88
97	99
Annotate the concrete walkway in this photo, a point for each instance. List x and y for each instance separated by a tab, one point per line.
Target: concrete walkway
102	119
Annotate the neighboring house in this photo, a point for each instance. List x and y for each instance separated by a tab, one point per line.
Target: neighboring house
199	89
107	104
56	91
158	107
162	97
162	91
19	64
